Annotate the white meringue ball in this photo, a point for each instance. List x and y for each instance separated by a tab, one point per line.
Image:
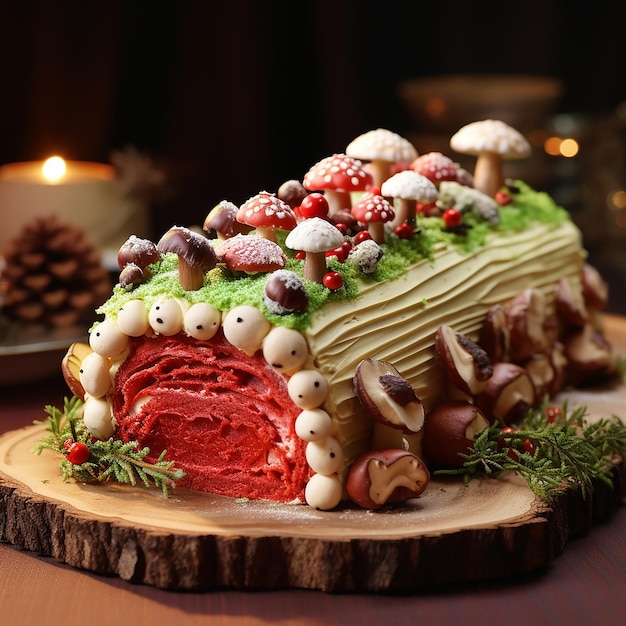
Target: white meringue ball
325	456
307	389
245	327
314	425
166	316
132	318
108	340
323	492
94	375
202	321
98	417
285	349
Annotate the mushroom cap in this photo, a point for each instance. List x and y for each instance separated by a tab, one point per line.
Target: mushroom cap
141	252
490	136
338	172
381	145
251	253
314	235
193	248
372	208
410	185
285	292
222	218
266	210
436	166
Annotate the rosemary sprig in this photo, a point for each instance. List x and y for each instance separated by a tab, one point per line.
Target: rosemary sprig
110	460
549	455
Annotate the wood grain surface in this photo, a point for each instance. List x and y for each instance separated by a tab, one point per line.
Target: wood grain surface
489	530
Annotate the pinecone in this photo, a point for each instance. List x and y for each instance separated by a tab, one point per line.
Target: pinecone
52	275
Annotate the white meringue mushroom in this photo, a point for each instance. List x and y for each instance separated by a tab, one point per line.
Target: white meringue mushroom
245	327
202	321
325	456
285	349
108	340
166	316
132	318
323	492
94	375
98	417
314	425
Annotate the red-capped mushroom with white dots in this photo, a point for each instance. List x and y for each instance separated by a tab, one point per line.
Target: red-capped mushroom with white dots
337	176
373	210
266	212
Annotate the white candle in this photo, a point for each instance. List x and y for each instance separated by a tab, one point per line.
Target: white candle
79	192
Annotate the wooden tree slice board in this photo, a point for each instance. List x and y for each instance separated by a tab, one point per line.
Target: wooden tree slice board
490	529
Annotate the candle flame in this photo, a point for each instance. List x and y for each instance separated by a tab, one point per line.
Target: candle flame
53	168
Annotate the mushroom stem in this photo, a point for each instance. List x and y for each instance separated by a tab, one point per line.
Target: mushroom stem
337	201
380	171
377	231
488	176
191	277
385	437
315	266
405	212
266	232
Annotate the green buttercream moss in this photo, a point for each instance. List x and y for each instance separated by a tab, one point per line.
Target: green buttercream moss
225	289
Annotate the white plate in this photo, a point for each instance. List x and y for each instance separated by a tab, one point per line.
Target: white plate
33	353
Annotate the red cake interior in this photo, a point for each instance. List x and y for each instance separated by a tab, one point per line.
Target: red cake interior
225	417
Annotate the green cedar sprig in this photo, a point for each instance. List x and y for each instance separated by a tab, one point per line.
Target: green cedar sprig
110	460
550	455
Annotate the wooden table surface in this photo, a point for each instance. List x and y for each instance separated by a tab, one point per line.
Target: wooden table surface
584	585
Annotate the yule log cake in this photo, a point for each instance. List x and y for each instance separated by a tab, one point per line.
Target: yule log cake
335	341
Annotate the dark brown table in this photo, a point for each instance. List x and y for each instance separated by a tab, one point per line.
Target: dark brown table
585	585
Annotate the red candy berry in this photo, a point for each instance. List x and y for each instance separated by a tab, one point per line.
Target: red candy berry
77	453
340	253
452	218
342	228
503	198
314	205
361	236
554	414
404	231
332	280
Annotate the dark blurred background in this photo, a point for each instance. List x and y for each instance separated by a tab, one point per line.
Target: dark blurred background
230	98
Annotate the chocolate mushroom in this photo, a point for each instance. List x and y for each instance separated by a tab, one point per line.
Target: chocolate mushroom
195	255
589	356
449	432
408	188
221	221
509	393
266	212
314	236
337	176
569	304
133	258
386	476
465	364
526	319
491	141
373	210
292	192
285	293
390	401
251	254
382	148
140	252
494	334
71	364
